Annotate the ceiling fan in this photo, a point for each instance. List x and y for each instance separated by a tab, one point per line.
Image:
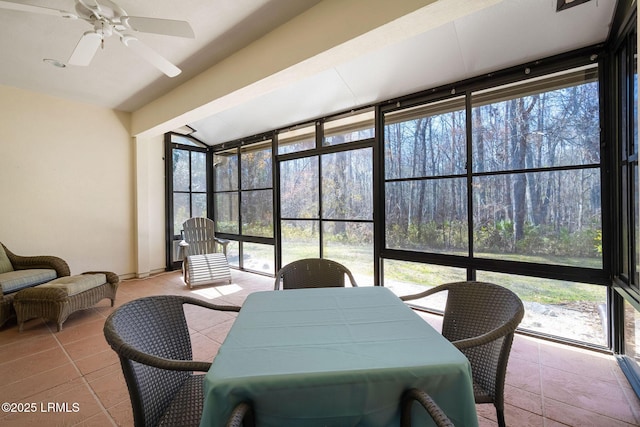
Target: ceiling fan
107	19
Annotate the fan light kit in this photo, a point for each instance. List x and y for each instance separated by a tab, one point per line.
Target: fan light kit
107	19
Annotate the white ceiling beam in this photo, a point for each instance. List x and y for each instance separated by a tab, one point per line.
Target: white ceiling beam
331	33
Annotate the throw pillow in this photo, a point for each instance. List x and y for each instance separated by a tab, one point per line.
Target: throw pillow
5	264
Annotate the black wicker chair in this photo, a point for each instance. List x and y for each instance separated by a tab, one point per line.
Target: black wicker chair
432	408
242	415
151	337
313	273
480	319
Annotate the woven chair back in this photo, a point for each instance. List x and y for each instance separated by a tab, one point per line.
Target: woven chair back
313	273
155	326
473	309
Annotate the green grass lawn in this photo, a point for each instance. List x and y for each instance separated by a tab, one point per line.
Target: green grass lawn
358	258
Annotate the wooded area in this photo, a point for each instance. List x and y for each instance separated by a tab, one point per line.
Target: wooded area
532	177
535	177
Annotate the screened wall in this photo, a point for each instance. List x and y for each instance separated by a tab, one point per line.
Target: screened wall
504	182
499	179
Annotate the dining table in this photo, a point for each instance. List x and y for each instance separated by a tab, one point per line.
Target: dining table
334	357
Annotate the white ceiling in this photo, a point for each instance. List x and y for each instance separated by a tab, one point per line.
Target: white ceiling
509	33
116	78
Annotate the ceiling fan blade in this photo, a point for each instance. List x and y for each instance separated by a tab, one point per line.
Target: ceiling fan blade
167	27
150	55
36	9
86	49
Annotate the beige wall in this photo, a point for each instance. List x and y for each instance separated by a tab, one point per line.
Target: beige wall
67	181
150	205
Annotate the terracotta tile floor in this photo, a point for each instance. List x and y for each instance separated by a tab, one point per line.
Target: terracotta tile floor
548	384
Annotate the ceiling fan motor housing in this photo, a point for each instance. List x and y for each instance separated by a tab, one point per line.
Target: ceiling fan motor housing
104	15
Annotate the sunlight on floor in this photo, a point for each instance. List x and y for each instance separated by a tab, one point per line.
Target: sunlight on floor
217	291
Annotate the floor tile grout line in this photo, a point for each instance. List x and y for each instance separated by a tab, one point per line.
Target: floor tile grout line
31	354
543	408
542	398
43	351
84	380
613	380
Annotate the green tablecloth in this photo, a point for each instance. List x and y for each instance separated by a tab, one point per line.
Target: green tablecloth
333	357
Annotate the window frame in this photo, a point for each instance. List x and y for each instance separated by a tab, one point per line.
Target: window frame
320	149
538	68
240	237
542	68
172	141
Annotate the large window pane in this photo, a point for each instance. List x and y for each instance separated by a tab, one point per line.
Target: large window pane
556	124
258	257
181	211
225	170
544	217
428	140
407	278
257	213
350	244
226	213
427	215
199	205
233	253
181	170
256	166
347	185
300	239
575	311
299	188
198	171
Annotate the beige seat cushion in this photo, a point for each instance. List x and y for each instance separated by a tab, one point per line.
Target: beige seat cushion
76	284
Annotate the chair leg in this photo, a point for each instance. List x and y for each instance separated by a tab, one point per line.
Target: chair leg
500	414
185	273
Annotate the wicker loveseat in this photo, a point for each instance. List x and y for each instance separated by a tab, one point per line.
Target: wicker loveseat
20	272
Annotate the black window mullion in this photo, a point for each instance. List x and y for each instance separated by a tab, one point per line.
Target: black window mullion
319	144
210	184
320	216
239	192
277	221
190	184
471	272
